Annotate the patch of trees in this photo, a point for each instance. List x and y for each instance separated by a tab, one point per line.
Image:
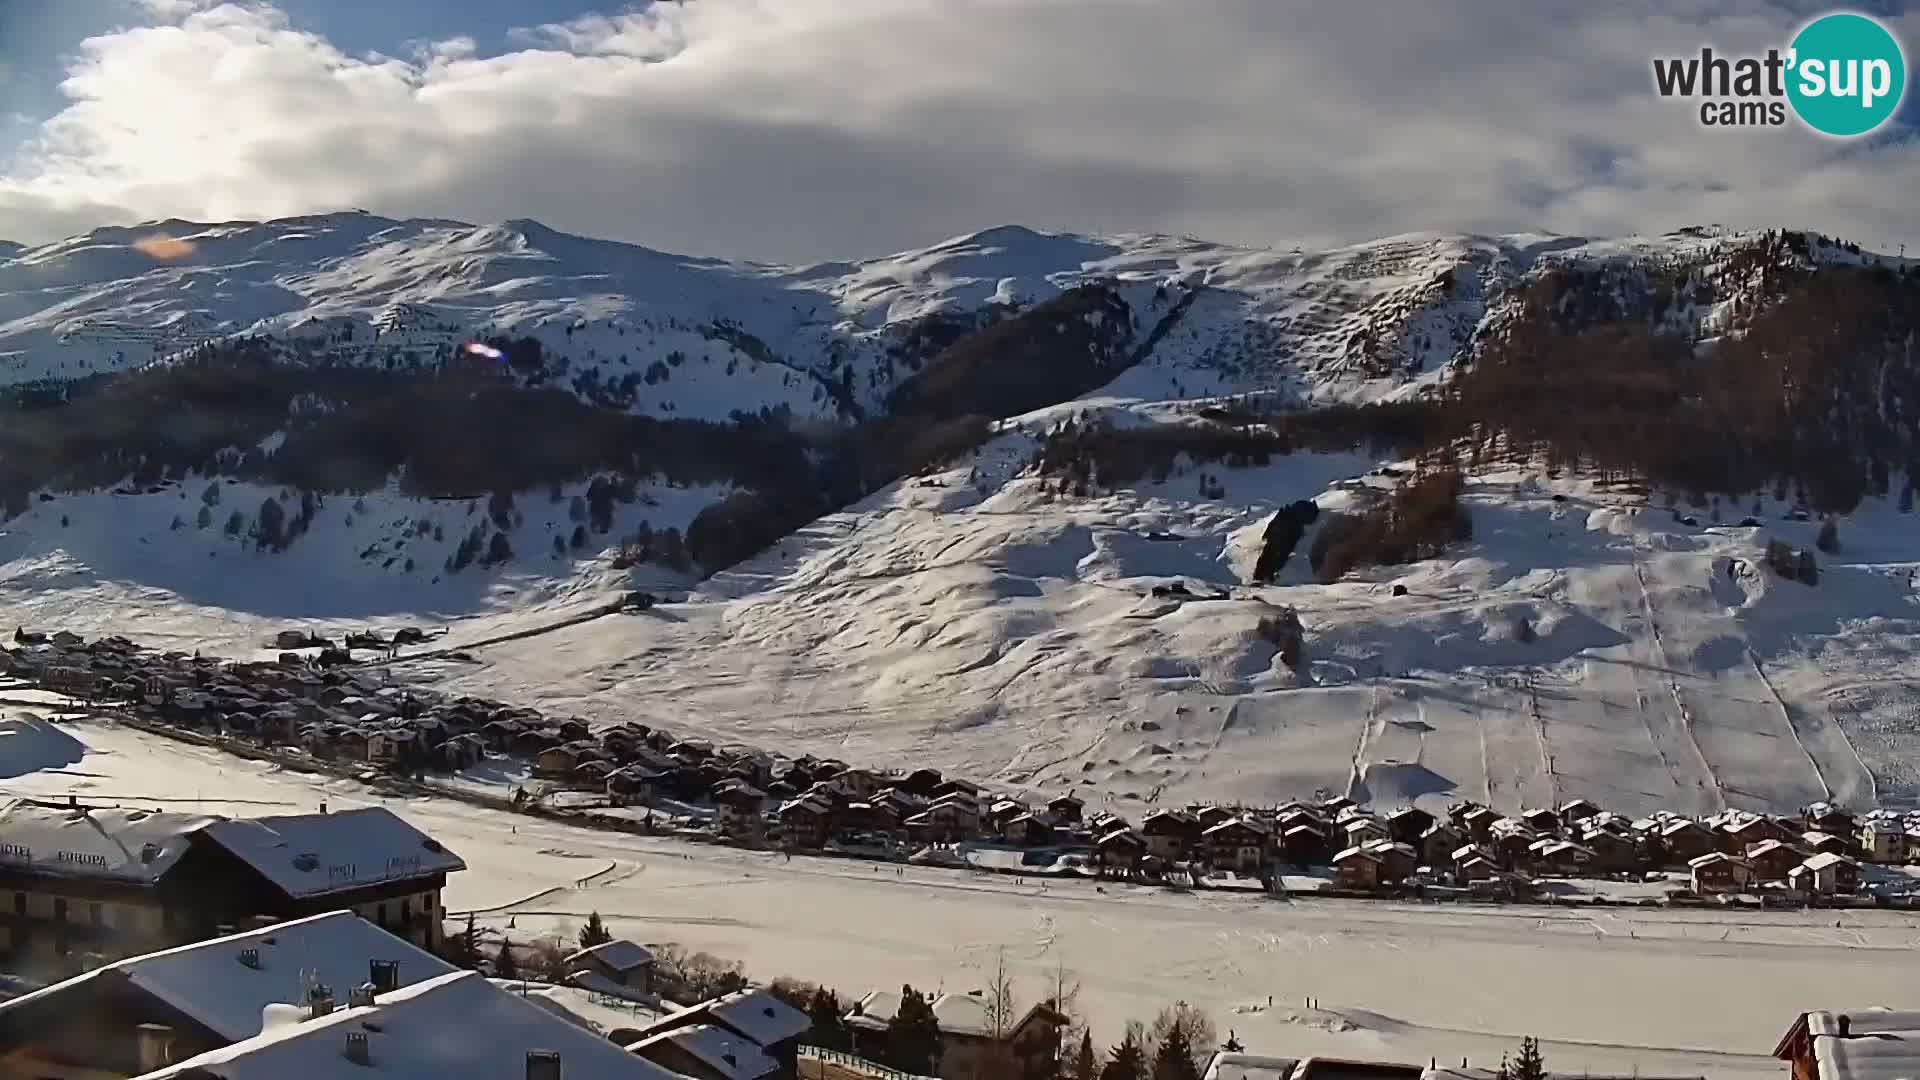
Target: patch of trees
1282	535
1816	389
446	436
1076	342
1418	520
1790	564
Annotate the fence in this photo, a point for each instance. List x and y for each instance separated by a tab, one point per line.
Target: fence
857	1064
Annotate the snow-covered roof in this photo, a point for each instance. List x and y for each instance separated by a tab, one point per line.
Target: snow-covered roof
620	955
1232	1066
758	1015
730	1055
1826	859
959	1014
78	841
1882	1044
309	855
208	981
422	1032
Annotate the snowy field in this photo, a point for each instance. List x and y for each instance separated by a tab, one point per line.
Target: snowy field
1669	992
978	623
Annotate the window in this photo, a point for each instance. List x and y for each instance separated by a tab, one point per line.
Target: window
406	912
97	914
19	903
380	915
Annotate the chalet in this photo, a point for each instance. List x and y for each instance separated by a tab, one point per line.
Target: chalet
1612	852
1773	860
921	782
942	823
1122	849
1304	845
1827	818
1883	840
806	822
632	784
1563	858
1824	843
620	963
1478	822
461	752
417	1032
1718	872
1362	830
970	1048
1209	816
139	1014
770	1024
591	775
1437	843
1356	868
860	783
1510	842
1236	845
1295	814
1333	805
1746	830
706	1052
956	786
738	808
1684	839
1170	834
1858	1044
1003	811
1066	808
1542	821
1475	867
1027	830
1408	825
1826	875
1575	811
1397	861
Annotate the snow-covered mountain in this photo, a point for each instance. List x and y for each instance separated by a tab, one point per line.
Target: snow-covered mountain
705	338
1011	602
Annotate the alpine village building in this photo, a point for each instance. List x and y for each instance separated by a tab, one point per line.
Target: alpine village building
85	885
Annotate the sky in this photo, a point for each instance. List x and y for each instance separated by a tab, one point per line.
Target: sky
810	130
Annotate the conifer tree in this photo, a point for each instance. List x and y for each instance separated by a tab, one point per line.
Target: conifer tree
594	933
1125	1062
1084	1065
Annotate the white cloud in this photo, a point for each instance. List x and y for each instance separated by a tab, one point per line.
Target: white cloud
794	129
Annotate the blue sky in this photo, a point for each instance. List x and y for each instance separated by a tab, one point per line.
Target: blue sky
35	35
799	130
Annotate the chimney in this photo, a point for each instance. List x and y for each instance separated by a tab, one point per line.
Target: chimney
1846	1026
384	975
154	1045
250	958
543	1065
357	1050
149	852
360	997
319	1002
323	806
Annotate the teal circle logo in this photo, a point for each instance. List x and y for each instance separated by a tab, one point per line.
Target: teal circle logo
1846	74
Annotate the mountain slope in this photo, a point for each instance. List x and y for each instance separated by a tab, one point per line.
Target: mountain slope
934	506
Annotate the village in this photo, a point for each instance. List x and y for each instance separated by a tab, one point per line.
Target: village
638	777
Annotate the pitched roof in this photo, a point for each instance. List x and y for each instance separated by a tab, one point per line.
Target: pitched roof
619	954
1826	859
308	855
1883	1044
758	1015
423	1032
208	982
1231	1066
78	841
730	1055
